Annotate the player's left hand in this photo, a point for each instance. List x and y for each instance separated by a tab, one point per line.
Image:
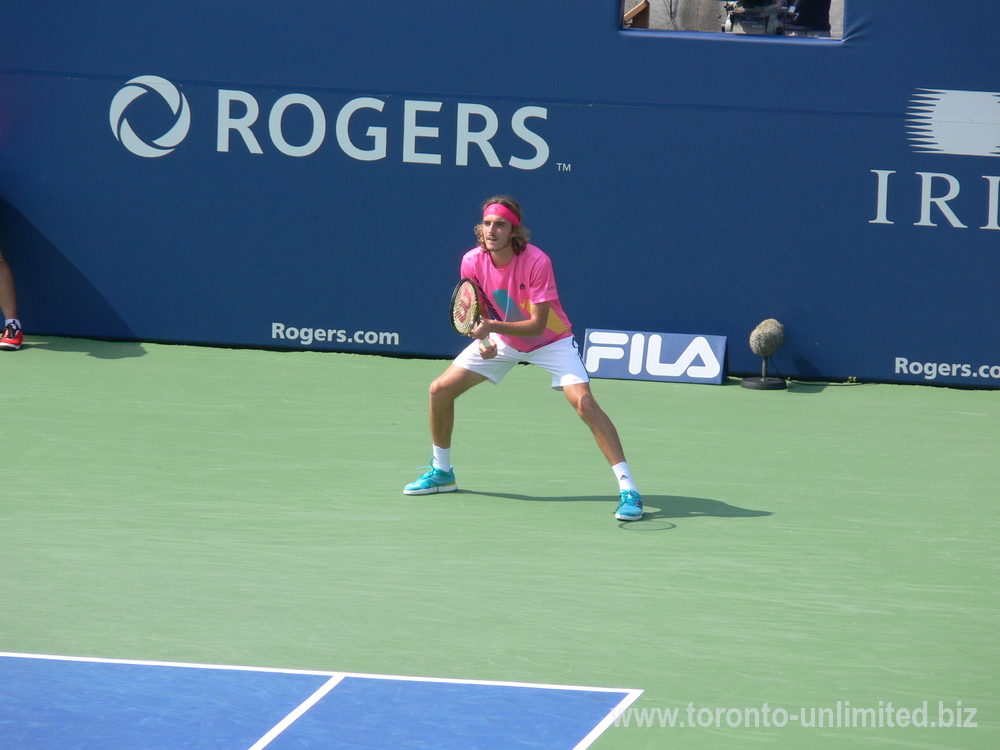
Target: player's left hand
487	348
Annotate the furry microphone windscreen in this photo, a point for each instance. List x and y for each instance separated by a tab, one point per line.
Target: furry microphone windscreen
767	338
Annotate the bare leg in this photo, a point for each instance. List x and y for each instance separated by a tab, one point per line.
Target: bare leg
451	384
8	297
630	504
600	424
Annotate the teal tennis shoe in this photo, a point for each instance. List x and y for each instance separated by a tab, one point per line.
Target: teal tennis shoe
433	481
629	507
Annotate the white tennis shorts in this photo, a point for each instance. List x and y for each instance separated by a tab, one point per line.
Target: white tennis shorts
561	359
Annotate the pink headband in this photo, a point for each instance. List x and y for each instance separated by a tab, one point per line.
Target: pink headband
498	209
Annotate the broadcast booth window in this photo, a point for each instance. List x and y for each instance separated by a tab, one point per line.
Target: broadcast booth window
817	19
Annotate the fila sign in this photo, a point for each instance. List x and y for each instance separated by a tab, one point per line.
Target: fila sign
637	355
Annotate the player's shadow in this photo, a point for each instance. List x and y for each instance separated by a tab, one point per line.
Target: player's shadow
90	347
54	296
656	507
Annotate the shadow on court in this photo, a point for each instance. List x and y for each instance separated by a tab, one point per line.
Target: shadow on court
90	347
655	506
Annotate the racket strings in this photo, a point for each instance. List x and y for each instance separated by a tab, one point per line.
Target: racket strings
464	310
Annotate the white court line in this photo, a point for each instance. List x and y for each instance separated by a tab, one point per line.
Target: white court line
148	663
446	680
608	720
308	703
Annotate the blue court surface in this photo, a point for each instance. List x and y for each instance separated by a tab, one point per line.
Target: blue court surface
49	702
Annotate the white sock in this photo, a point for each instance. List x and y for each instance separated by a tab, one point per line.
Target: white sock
442	458
624	477
15	321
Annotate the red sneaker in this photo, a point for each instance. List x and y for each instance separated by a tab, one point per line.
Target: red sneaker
12	338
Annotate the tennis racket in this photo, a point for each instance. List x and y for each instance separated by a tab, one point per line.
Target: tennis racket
465	314
465	307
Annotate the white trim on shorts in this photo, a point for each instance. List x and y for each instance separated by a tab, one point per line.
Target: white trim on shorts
561	359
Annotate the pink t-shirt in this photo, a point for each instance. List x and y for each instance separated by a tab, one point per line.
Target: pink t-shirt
510	291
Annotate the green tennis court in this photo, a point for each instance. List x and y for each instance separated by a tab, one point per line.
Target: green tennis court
818	553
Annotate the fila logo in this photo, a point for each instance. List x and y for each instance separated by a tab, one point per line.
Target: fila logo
640	356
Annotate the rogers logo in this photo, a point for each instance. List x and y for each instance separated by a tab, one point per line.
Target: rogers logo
178	103
366	128
964	123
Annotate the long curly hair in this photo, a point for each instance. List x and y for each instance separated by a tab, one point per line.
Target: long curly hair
519	237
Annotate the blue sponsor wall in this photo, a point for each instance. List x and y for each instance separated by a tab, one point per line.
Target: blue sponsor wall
335	156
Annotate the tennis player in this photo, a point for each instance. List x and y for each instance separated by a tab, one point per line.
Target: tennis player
12	335
528	325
